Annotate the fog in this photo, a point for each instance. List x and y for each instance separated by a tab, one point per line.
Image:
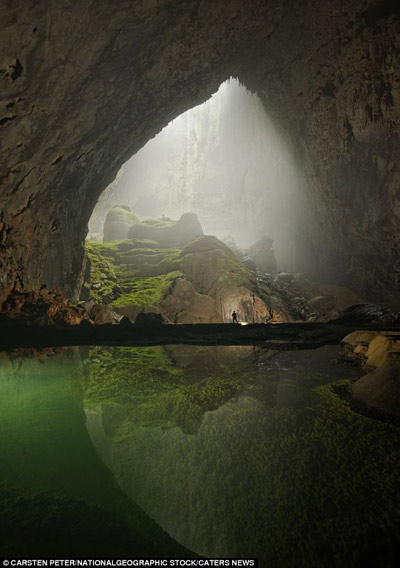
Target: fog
223	160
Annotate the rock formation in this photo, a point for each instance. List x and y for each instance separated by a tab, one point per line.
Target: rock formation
224	160
380	389
118	222
201	282
77	104
171	268
378	352
166	232
262	254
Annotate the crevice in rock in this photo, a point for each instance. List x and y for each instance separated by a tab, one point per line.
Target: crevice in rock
18	68
6	119
57	160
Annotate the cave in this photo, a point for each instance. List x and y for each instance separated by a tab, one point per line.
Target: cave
225	172
77	104
86	88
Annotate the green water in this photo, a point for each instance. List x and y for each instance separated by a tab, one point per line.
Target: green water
233	451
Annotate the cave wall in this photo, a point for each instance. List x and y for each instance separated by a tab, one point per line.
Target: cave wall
333	82
85	85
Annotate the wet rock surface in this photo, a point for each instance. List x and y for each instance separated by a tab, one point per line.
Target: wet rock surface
300	299
379	353
373	313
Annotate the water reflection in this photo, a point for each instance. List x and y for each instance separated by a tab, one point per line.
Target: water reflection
234	451
56	496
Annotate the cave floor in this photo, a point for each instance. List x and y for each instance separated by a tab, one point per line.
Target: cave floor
274	336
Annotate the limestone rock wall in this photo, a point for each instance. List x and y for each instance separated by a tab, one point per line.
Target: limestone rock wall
85	85
340	107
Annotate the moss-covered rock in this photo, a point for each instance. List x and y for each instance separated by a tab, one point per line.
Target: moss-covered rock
118	222
213	269
202	282
146	387
168	233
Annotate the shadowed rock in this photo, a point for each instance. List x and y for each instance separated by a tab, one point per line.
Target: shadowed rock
262	254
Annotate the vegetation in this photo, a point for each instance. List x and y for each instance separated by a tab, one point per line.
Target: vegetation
159	223
226	266
142	272
139	272
121	214
314	485
311	484
103	270
56	496
150	391
144	291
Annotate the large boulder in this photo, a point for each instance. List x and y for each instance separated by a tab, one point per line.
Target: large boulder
101	314
118	222
214	270
262	254
169	234
380	389
323	306
372	313
185	305
149	318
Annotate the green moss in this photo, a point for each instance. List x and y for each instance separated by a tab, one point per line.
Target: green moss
147	390
234	272
213	392
141	382
119	213
143	272
144	291
314	485
133	244
151	262
159	223
43	524
104	273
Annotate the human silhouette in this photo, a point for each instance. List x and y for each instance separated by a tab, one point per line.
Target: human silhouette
234	317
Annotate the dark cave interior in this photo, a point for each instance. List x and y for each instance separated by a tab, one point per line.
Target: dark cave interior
88	86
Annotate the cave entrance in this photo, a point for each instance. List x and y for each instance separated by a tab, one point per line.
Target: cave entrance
223	160
222	169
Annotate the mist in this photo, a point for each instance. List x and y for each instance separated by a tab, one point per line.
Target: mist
223	160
